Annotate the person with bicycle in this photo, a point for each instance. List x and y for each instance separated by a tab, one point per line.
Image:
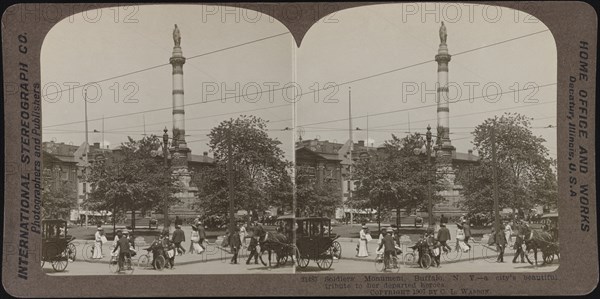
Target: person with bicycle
389	248
434	247
123	247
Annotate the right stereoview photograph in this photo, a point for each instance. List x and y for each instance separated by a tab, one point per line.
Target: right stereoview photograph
425	142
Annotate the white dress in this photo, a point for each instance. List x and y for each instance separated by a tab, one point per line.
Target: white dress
242	235
97	247
507	234
362	244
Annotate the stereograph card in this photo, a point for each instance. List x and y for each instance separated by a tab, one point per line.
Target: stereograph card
299	149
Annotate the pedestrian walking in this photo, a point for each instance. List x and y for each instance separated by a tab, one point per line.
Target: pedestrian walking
201	234
243	234
253	251
522	231
467	230
98	240
500	245
362	242
194	241
460	239
178	238
169	249
234	244
443	237
434	247
508	233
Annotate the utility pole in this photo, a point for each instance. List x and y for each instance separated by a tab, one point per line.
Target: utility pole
350	151
230	181
429	197
87	160
495	179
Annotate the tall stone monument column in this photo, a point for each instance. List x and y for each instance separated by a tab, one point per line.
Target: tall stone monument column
443	106
180	148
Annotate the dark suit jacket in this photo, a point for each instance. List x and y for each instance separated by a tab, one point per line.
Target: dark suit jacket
443	234
234	240
122	245
467	230
178	236
201	232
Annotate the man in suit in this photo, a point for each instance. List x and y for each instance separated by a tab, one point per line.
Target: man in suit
443	236
201	234
177	238
252	248
235	244
389	248
123	247
467	230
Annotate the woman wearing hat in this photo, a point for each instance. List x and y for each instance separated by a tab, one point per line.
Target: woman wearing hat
98	243
362	243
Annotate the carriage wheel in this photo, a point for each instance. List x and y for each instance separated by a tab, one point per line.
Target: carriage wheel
144	261
71	252
409	259
128	265
548	258
60	264
531	257
113	264
325	259
302	261
337	250
426	261
159	263
282	257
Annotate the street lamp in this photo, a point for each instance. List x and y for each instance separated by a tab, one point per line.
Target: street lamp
165	154
428	147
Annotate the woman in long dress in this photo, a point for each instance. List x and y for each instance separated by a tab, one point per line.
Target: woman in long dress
362	243
460	238
508	233
98	244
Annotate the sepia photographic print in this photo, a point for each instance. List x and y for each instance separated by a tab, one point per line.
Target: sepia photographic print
300	149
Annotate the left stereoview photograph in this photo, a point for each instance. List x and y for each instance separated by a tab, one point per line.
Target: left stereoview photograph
143	175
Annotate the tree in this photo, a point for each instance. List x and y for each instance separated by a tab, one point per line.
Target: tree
59	196
316	198
525	171
395	177
131	179
260	172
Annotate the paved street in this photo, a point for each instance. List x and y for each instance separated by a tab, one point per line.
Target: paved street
215	260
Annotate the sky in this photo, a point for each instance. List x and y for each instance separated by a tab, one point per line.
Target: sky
384	53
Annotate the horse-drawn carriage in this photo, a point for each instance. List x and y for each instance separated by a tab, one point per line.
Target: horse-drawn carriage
314	240
57	246
541	241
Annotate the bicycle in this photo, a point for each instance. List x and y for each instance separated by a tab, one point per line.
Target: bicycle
114	267
380	263
145	261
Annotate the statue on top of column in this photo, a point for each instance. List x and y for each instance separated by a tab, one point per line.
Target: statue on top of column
176	36
443	34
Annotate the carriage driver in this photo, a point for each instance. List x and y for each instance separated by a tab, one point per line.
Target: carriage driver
389	247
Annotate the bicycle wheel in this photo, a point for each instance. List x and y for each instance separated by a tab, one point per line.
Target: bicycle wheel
490	254
144	261
71	252
159	263
113	264
426	261
395	264
379	263
128	265
453	255
409	259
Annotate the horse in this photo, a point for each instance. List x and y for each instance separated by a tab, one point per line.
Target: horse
538	240
271	241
